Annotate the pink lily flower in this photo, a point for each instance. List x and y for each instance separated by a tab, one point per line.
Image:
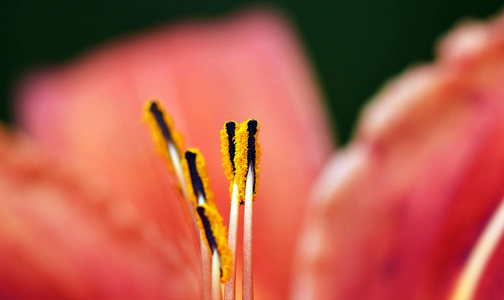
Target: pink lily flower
88	210
398	213
89	116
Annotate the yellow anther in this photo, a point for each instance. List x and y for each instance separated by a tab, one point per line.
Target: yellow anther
163	132
198	183
248	151
228	150
210	223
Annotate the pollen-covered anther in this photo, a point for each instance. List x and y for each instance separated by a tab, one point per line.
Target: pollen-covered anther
198	182
216	238
228	149
248	153
169	142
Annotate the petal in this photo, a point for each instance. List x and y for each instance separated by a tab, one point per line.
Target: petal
62	236
397	213
205	73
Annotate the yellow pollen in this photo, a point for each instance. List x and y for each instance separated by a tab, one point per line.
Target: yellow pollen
219	235
201	172
248	151
191	172
161	124
228	150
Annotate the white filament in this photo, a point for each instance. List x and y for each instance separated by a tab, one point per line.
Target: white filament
175	160
481	254
247	284
216	292
229	293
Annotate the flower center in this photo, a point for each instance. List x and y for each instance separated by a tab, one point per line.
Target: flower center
241	154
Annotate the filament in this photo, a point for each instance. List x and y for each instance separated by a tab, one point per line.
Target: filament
481	254
216	288
232	235
247	284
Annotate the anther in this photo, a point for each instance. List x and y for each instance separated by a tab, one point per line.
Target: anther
207	228
199	187
248	153
215	233
228	149
169	145
169	142
160	120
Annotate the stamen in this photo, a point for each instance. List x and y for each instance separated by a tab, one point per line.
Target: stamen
481	254
248	153
209	221
169	142
228	149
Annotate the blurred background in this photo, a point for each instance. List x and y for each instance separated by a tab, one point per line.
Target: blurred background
355	46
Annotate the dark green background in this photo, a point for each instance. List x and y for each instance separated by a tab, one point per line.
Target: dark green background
355	45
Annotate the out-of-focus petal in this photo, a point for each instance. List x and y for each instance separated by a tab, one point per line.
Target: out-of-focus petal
206	73
397	213
63	236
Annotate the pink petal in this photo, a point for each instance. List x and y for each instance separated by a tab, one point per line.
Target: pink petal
63	237
205	73
397	213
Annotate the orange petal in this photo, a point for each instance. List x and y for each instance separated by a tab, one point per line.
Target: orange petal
62	236
398	212
205	73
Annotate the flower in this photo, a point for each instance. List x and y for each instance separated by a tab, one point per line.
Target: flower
395	215
89	116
